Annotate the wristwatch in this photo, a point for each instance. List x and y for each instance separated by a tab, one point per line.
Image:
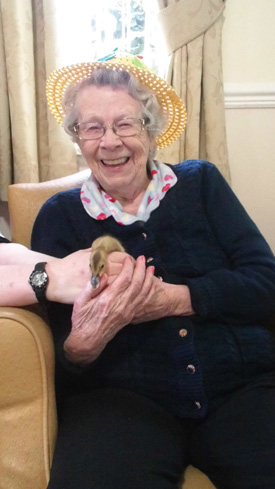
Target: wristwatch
38	280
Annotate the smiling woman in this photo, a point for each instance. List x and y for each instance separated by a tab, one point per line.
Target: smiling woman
139	358
117	123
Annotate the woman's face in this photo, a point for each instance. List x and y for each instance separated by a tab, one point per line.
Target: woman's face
118	163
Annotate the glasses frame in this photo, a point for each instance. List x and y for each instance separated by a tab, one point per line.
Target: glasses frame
110	126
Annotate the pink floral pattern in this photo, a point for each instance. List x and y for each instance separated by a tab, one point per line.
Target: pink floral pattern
94	198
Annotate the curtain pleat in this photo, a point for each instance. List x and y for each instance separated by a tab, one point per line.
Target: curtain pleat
33	147
195	71
5	130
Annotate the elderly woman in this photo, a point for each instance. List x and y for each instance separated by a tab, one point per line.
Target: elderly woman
169	361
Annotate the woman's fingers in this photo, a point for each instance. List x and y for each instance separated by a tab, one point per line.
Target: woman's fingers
124	278
145	284
114	265
88	293
134	283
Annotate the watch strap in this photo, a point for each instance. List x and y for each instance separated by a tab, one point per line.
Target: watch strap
40	290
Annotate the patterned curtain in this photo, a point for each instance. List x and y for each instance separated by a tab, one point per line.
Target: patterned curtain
193	33
33	147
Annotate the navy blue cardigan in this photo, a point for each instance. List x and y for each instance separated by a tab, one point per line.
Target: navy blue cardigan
200	235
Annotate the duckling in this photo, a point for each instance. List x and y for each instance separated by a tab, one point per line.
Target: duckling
100	249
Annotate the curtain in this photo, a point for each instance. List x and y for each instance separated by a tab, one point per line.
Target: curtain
193	35
33	147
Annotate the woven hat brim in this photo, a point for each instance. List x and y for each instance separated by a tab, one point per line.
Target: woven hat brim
168	99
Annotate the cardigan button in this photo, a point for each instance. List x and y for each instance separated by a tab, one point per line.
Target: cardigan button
144	235
149	259
160	278
183	332
190	369
197	404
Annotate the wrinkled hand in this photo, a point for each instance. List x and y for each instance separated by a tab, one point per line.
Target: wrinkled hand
165	300
98	314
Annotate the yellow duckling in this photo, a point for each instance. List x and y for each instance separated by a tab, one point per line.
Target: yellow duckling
100	249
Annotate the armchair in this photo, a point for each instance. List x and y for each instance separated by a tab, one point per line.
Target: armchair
28	423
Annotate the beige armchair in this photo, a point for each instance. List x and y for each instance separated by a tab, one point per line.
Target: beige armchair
28	423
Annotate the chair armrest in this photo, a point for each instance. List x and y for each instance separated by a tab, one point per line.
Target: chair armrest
28	420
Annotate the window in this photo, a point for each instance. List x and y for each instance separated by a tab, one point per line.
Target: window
90	29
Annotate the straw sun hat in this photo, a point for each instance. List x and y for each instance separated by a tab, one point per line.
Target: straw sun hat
170	102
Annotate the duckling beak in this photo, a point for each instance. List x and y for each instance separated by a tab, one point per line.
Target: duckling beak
95	280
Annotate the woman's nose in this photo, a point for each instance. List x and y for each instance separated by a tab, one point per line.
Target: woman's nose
110	139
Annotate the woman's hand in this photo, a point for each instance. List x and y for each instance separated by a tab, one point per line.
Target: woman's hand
98	314
114	265
165	300
68	276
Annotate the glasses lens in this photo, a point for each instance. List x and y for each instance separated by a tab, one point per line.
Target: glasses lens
128	127
90	130
123	128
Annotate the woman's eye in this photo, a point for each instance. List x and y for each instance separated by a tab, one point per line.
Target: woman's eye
93	127
123	123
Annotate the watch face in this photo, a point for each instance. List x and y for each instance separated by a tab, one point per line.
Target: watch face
39	279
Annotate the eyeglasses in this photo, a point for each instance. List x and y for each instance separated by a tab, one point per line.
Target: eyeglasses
123	128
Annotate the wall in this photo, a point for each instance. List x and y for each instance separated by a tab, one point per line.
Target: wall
249	79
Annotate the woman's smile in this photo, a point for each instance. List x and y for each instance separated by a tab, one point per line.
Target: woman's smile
115	162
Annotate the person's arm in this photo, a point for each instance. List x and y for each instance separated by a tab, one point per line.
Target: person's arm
16	265
17	254
67	276
242	292
245	290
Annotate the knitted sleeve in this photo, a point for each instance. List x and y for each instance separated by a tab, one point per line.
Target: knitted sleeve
246	290
54	231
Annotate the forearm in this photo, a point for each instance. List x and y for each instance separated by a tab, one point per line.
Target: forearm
66	276
179	301
16	265
241	287
17	254
76	353
15	289
241	295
